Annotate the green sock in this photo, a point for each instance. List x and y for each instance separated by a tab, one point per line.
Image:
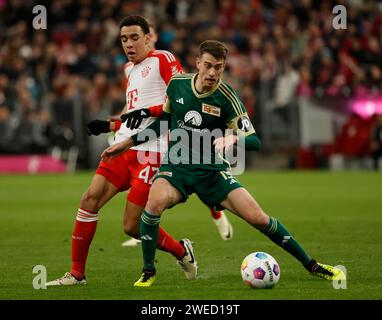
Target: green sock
276	231
149	227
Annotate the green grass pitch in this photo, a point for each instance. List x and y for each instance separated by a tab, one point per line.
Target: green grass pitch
337	217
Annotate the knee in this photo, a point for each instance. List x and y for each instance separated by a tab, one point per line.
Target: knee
157	203
89	199
259	219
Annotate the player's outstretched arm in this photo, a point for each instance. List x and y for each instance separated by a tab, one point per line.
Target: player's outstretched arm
117	149
242	127
135	140
224	143
252	142
156	127
97	127
134	118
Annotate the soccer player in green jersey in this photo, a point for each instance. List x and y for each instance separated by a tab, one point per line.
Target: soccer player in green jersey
198	104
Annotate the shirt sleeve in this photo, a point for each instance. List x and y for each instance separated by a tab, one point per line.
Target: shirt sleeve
167	106
156	111
236	116
168	66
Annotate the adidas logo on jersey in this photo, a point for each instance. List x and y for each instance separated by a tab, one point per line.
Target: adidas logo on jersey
146	237
181	101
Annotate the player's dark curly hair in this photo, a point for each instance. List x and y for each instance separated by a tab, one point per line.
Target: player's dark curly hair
135	21
215	48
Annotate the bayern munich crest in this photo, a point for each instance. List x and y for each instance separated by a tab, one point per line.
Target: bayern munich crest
146	71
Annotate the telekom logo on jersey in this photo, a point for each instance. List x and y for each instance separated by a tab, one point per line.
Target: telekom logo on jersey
132	96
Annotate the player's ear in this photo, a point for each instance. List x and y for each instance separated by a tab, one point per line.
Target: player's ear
147	38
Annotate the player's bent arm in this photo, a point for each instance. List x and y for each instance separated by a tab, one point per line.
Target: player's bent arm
243	128
115	125
133	119
156	111
252	142
97	127
155	126
117	149
136	139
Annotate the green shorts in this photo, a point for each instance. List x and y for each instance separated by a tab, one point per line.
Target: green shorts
211	186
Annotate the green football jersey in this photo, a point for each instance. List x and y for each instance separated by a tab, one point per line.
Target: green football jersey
197	119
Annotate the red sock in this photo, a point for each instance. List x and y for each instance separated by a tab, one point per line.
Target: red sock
169	244
83	233
215	214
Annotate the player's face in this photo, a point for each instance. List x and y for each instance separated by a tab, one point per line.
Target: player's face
210	70
134	43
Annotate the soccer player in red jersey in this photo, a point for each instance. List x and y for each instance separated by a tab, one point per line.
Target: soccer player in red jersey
148	73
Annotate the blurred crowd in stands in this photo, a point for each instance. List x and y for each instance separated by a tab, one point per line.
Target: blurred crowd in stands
53	81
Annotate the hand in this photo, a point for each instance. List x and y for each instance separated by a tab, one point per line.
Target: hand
134	118
116	149
98	126
226	142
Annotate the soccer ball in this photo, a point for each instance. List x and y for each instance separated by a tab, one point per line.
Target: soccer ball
260	270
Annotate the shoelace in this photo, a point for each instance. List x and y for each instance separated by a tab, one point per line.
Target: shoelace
321	272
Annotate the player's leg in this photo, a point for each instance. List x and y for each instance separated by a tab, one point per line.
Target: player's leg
240	202
132	217
110	178
129	221
132	242
99	192
222	223
143	167
162	196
